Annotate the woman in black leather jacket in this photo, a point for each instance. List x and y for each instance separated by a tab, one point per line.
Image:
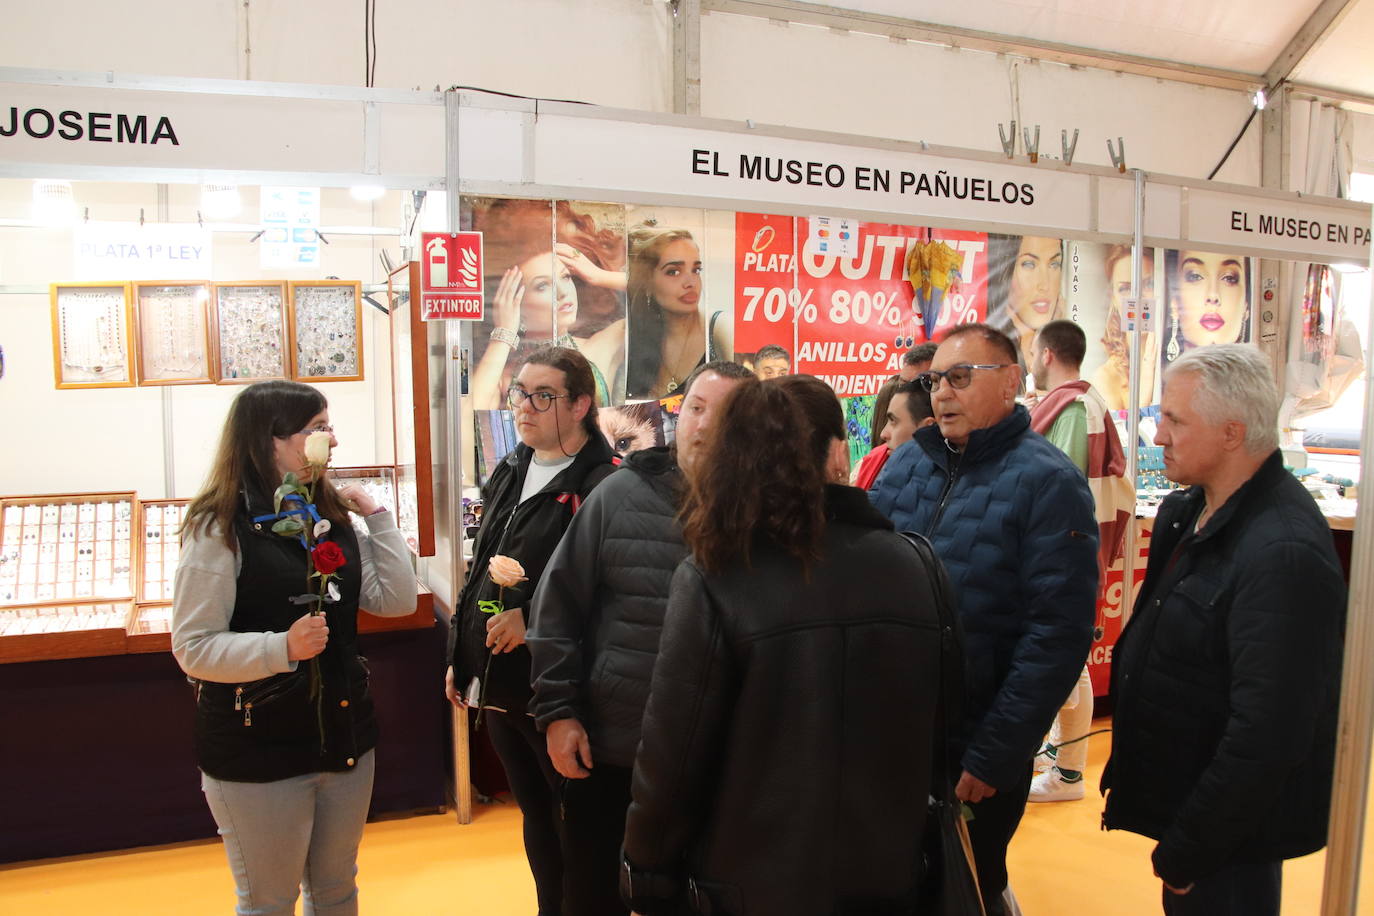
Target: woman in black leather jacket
787	740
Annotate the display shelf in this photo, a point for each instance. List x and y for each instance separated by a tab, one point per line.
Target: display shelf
379	482
173	338
40	633
421	619
92	335
326	322
410	411
149	628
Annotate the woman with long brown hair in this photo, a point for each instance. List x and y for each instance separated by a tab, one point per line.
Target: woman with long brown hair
796	682
284	726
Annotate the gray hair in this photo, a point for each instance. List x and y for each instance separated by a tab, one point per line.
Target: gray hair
1235	383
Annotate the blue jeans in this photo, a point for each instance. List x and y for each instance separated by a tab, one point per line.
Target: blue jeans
1241	890
294	834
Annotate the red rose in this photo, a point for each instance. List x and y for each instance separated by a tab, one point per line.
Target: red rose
328	557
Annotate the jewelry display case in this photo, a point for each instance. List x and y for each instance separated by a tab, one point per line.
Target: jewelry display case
173	333
250	332
410	409
66	574
91	335
326	322
379	482
149	626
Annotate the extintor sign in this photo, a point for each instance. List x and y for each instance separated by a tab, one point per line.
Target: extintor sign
451	276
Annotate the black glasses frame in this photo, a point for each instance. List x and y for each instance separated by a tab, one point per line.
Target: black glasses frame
960	376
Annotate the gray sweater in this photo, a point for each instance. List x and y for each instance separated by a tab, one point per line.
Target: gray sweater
203	603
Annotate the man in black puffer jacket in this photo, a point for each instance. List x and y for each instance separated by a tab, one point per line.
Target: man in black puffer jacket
594	636
1227	679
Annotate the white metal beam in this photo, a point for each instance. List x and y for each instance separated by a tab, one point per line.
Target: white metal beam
915	30
1324	18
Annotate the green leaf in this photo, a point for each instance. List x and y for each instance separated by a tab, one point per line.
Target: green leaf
288	527
490	607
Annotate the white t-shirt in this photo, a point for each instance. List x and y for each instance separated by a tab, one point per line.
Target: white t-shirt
539	473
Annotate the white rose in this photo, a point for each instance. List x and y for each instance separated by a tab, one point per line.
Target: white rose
317	448
505	571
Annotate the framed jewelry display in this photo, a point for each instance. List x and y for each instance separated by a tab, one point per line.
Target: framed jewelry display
66	583
159	530
250	332
173	333
326	322
410	410
379	482
91	335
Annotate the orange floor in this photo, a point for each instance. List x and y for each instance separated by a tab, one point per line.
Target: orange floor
1060	863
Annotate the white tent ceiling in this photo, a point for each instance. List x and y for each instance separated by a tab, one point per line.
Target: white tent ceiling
1316	43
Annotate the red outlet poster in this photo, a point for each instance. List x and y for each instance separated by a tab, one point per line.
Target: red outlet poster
848	319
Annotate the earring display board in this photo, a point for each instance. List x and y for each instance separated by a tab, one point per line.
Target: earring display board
326	323
91	333
160	534
66	584
410	410
250	331
378	482
173	333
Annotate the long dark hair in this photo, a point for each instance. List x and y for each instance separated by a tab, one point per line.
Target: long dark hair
763	472
245	462
577	376
644	357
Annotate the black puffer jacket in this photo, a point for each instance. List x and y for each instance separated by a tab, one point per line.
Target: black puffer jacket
1227	682
528	532
599	607
787	741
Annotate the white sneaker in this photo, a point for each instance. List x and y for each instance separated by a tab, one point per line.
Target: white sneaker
1050	786
1044	760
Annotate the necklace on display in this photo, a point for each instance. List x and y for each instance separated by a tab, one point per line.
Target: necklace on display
673	380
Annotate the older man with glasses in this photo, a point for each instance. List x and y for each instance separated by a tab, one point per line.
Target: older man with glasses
1012	519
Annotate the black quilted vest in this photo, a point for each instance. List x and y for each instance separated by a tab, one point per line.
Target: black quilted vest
272	729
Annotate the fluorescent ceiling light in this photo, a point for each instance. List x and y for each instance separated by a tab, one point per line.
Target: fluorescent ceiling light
53	203
220	201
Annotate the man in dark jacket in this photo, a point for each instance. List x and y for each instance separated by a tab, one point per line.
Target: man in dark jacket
1227	678
532	496
1012	519
594	637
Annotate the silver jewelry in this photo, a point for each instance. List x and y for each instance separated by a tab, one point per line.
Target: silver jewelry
505	336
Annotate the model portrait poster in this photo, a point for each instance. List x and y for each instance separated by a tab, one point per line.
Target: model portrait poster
555	274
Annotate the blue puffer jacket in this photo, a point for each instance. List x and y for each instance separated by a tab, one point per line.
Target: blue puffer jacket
1012	519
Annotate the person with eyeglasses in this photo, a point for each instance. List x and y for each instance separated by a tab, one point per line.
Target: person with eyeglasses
1012	519
528	503
287	772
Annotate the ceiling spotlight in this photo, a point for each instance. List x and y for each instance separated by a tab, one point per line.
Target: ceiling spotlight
1260	99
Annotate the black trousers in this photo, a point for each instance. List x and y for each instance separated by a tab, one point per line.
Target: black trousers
534	783
593	832
994	822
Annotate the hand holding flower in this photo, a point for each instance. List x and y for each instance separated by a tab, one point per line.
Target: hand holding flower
506	571
506	631
306	638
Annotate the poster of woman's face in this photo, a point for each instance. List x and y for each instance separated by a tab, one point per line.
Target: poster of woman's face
1099	295
673	324
1025	286
555	274
1208	300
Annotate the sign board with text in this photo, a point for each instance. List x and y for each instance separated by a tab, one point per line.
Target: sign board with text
451	285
